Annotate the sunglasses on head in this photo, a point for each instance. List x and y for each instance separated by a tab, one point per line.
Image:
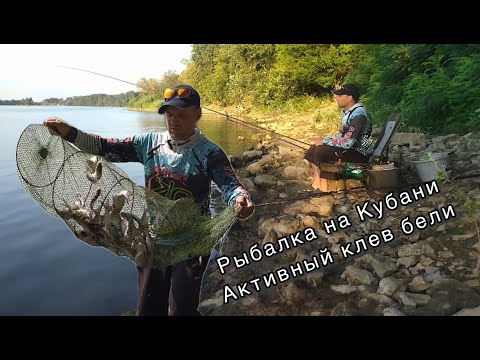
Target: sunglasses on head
182	93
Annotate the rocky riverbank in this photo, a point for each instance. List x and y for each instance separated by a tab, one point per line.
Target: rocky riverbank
433	271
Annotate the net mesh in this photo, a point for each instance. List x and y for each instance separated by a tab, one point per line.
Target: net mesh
103	207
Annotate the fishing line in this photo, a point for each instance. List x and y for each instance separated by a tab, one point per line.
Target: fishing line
313	194
234	119
93	72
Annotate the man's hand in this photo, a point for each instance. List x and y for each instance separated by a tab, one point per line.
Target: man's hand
57	127
247	207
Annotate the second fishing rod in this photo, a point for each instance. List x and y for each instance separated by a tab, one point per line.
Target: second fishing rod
281	137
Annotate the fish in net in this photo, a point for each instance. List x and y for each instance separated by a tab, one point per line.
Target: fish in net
103	207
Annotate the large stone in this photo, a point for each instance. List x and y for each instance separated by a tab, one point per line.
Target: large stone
418	284
346	308
473	145
297	207
264	226
391	311
248	184
315	277
343	289
388	286
265	180
415	249
408	261
323	200
412	299
254	168
378	298
463	296
285	227
252	155
366	260
445	254
410	138
443	139
463	237
431	269
266	159
310	222
270	237
426	261
357	276
384	268
284	150
436	276
212	306
294	295
294	172
468	312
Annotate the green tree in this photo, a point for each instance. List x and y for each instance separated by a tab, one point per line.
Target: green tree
149	86
169	80
437	87
313	69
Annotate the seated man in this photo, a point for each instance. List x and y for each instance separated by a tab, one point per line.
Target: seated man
351	144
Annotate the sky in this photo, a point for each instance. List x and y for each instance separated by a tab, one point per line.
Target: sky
34	70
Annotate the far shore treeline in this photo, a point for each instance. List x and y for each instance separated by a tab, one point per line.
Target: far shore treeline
435	86
120	100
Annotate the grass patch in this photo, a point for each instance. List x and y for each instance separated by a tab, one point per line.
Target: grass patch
443	240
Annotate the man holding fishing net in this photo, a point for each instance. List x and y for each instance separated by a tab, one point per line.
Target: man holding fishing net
179	162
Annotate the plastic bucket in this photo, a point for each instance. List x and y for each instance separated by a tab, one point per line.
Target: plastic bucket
427	169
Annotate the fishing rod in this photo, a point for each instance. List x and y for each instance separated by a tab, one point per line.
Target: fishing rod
93	72
310	195
313	194
236	120
242	122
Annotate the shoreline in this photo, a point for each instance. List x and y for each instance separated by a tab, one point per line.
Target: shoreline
300	126
140	110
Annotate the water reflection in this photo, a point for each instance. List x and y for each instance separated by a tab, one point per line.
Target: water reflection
215	127
150	122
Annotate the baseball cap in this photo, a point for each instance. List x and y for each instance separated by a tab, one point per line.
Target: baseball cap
348	89
183	97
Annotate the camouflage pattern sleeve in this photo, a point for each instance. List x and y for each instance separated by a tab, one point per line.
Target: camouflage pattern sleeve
351	136
224	176
114	150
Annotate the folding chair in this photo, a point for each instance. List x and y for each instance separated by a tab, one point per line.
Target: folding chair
380	151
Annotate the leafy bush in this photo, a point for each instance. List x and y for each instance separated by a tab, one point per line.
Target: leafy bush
436	87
